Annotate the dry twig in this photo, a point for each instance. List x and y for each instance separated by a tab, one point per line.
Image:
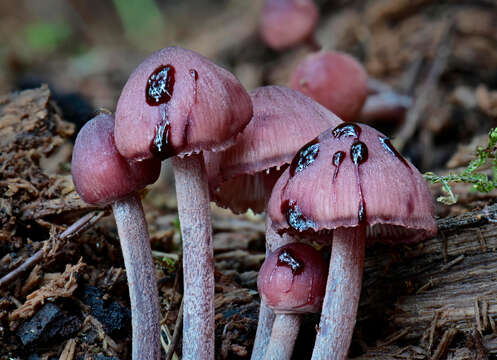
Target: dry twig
178	327
72	231
427	90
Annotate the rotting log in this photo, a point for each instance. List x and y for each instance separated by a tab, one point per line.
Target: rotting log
436	299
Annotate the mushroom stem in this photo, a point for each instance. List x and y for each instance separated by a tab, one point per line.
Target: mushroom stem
264	326
285	330
343	289
142	283
266	314
198	261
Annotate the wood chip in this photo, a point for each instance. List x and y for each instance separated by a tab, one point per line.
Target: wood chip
69	350
62	286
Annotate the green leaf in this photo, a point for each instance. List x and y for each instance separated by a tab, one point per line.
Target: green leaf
480	181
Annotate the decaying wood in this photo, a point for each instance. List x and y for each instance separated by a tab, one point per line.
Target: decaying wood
62	286
431	293
69	350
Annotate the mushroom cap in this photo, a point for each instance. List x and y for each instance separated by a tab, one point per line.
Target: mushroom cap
242	176
244	192
100	174
335	80
384	107
178	102
286	23
352	175
292	279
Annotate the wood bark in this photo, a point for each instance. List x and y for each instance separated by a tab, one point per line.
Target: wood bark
436	299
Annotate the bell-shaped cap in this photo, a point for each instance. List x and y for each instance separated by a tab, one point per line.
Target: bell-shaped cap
352	175
286	23
293	279
177	102
100	174
242	176
335	80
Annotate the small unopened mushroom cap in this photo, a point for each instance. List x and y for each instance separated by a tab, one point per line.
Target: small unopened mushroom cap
177	102
100	174
286	23
351	175
242	176
335	80
293	279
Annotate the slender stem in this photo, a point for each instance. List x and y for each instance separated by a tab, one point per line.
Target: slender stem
342	294
198	259
142	282
266	314
285	330
264	326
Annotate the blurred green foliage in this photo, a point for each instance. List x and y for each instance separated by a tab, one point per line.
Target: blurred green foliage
46	37
177	227
142	20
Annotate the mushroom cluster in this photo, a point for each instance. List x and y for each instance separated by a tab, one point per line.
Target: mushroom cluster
274	149
242	177
350	180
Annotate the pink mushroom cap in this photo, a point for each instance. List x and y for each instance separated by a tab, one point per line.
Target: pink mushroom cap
350	175
178	102
100	174
335	80
242	176
293	279
286	23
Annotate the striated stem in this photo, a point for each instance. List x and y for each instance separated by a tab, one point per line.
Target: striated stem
142	282
285	330
343	289
198	259
264	326
266	314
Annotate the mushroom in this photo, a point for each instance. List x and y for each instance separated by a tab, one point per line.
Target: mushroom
385	107
291	281
335	80
102	176
238	176
242	177
286	23
177	104
355	183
